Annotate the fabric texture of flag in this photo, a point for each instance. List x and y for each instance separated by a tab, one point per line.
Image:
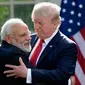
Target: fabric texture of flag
73	25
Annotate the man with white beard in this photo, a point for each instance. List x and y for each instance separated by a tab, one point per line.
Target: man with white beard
16	39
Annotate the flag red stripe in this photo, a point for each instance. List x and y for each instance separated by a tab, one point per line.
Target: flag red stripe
77	81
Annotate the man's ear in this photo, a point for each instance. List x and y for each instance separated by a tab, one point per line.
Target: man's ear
8	39
57	22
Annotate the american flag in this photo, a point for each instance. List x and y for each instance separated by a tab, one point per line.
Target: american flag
73	25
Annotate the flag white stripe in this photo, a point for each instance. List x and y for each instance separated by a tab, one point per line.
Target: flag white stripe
81	42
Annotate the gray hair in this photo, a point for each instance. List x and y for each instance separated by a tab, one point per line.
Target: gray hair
46	9
7	26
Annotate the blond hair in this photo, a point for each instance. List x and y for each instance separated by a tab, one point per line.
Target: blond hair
46	9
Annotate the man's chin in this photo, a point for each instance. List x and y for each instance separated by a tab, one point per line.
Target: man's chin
27	49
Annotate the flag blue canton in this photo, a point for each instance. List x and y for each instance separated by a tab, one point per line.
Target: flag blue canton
73	16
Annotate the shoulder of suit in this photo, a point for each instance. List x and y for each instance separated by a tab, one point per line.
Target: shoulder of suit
34	35
67	39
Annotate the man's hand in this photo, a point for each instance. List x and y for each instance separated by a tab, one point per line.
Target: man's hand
17	71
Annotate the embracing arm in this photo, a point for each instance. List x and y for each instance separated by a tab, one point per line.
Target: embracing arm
64	69
17	71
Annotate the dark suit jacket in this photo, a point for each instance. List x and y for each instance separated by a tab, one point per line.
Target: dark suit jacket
10	54
57	62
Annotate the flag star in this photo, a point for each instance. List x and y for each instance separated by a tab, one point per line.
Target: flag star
80	6
62	19
72	12
65	1
70	21
79	14
73	4
78	23
63	10
69	30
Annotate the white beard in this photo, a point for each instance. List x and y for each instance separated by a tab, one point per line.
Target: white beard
22	46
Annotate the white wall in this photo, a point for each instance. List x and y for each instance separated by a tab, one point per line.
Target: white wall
58	2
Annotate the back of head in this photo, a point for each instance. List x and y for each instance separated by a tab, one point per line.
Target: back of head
7	26
46	9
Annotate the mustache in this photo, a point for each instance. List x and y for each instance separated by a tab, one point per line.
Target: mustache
27	42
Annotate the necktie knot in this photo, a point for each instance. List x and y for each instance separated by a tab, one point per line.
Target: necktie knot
41	41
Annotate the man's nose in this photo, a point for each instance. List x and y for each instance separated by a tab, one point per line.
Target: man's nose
28	37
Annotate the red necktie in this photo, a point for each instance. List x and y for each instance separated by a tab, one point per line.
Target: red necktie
36	52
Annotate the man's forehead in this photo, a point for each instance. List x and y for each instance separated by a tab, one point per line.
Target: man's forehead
20	29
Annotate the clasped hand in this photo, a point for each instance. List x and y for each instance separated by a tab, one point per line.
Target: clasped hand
17	71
